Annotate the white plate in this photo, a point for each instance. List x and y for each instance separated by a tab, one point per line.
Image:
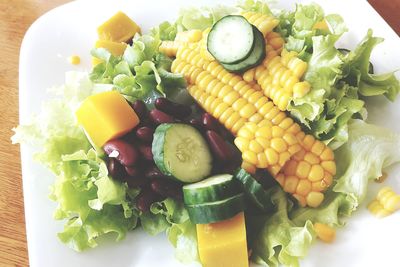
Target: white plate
71	29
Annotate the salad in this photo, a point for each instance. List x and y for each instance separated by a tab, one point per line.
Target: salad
238	131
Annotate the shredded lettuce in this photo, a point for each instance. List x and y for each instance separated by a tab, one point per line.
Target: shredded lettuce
89	201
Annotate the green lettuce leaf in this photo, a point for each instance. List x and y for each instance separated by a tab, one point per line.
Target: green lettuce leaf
89	201
255	6
279	240
171	216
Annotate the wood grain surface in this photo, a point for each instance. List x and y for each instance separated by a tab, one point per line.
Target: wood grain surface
15	18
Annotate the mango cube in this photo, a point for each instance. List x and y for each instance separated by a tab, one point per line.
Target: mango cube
116	49
223	244
106	116
119	28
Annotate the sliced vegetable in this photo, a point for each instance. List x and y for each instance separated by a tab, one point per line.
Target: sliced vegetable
180	151
106	116
254	190
255	57
215	188
223	243
115	48
216	211
231	39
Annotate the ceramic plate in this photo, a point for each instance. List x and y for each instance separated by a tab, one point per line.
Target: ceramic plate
71	29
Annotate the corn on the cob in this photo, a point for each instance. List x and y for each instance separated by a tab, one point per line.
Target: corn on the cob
264	23
306	173
267	146
386	202
325	232
170	48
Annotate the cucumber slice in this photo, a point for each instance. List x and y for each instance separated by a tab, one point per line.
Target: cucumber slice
231	39
180	151
256	56
216	211
254	190
215	188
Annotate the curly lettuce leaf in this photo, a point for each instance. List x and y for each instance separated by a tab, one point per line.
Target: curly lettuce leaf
255	6
171	216
89	201
357	64
279	240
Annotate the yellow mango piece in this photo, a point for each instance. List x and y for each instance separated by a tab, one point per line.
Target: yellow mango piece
119	28
106	116
116	49
223	244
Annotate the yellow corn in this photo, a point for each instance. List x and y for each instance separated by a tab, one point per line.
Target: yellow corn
263	22
386	202
190	36
169	48
325	232
264	134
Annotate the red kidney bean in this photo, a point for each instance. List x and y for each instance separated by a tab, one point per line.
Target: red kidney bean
218	146
140	109
145	199
167	188
145	134
125	153
115	169
174	109
146	152
209	122
132	171
154	173
158	117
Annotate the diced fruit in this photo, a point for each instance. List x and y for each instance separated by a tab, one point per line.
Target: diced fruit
223	244
180	151
216	211
115	48
214	188
106	116
119	28
254	190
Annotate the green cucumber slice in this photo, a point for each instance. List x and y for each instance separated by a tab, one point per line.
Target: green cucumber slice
254	190
214	188
216	211
255	57
231	39
180	151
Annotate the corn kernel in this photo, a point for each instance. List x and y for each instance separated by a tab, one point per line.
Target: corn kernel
318	148
266	108
220	109
286	123
329	166
293	149
304	187
301	199
232	120
272	113
311	158
314	199
308	142
279	145
280	179
250	157
256	118
316	173
255	147
290	184
262	160
303	169
283	158
272	156
226	114
325	232
261	102
255	96
290	168
393	203
383	191
239	104
277	132
242	143
239	124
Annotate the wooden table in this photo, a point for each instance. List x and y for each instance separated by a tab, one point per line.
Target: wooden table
15	18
